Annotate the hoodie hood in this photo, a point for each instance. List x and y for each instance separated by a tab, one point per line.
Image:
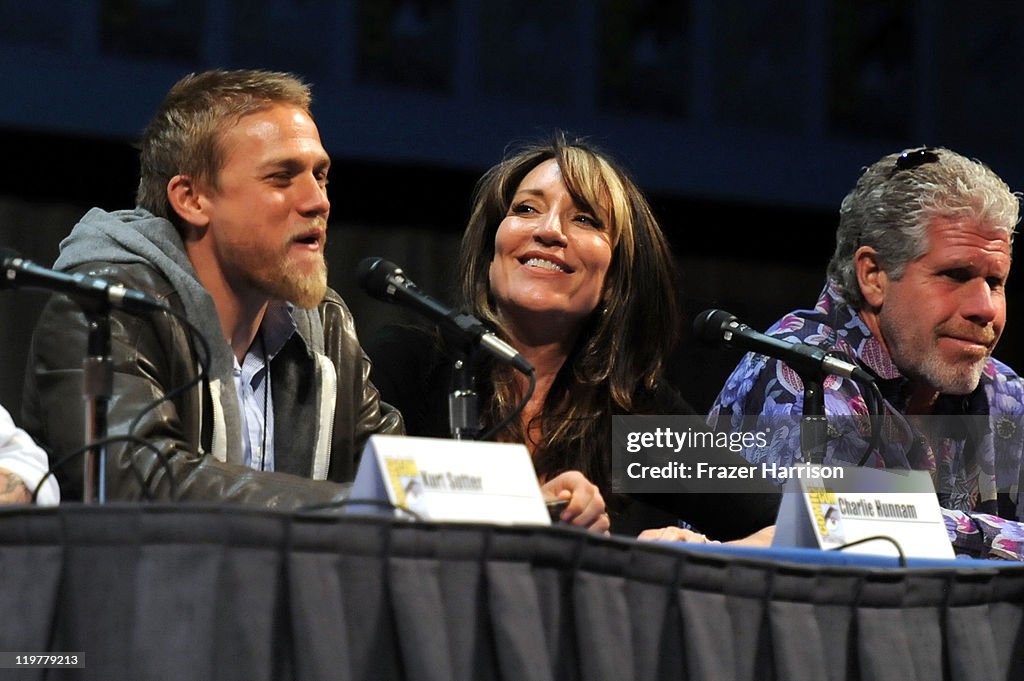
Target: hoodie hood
137	237
129	237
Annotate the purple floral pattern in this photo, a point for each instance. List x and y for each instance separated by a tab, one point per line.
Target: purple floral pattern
983	535
968	470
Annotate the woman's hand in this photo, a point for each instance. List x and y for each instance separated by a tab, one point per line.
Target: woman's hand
762	537
586	505
674	534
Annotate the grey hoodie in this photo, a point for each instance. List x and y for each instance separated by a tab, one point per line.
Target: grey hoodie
139	237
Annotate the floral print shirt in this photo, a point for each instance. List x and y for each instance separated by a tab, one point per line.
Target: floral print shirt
972	445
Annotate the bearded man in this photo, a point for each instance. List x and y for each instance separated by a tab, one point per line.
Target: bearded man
229	231
916	296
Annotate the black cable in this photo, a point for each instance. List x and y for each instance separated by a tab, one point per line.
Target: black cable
203	356
899	549
202	373
112	440
515	412
876	412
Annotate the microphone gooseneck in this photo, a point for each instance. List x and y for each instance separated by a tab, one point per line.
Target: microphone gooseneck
90	292
718	327
386	281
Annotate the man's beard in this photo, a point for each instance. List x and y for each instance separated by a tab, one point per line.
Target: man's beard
961	379
950	378
280	277
302	288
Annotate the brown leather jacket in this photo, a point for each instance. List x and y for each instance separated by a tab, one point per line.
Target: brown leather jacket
320	432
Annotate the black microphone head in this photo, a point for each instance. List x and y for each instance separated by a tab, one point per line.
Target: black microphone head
709	325
7	254
373	274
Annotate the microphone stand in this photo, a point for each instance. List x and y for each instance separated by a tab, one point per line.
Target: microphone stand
97	389
813	425
463	410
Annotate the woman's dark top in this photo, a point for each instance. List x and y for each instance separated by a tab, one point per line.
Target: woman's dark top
413	374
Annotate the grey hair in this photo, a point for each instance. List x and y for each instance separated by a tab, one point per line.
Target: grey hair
890	209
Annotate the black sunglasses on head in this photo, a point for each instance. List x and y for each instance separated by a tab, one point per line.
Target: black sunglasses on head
914	158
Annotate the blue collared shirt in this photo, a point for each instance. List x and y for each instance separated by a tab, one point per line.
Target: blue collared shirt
255	393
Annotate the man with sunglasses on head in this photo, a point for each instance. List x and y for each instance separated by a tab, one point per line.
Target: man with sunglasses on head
916	297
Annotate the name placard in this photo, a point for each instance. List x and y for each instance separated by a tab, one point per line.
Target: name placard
829	512
451	480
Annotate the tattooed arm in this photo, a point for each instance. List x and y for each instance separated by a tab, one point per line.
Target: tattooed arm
13	489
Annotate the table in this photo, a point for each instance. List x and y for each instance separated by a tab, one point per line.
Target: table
160	591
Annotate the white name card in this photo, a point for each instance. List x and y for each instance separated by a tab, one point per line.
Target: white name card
864	502
451	480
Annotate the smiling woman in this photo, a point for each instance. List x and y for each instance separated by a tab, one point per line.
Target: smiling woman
551	255
563	257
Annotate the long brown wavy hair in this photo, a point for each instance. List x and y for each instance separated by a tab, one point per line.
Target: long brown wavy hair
620	353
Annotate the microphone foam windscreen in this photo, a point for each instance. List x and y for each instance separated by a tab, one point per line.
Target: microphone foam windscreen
372	275
709	324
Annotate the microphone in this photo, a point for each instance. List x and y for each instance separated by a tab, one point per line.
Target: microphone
16	272
718	327
386	281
